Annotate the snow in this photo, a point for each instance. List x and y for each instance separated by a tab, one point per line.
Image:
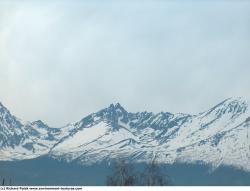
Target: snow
216	137
84	136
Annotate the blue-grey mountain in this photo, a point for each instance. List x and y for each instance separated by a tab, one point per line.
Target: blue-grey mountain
217	137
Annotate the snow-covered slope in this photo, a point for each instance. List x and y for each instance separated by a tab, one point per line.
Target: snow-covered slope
20	140
219	136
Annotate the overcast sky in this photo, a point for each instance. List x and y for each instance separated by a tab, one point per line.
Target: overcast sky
61	60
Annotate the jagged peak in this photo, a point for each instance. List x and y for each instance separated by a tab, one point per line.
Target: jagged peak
39	123
117	106
164	114
234	101
5	110
2	107
230	105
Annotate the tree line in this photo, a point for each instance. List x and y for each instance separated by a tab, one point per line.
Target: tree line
125	175
4	183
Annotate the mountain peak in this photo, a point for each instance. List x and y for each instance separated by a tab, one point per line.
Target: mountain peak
117	107
2	107
235	102
235	99
5	112
39	124
113	131
231	105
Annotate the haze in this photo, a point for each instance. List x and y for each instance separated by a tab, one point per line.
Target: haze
62	60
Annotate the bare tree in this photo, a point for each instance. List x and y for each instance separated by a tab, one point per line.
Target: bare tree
154	176
123	175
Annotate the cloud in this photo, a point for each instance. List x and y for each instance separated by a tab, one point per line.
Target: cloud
62	60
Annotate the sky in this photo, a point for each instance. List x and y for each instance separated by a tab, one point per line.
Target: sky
62	60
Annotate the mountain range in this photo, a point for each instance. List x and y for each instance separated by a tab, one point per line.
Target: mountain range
216	137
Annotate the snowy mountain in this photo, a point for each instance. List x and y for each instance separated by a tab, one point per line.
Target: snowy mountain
219	136
11	133
20	140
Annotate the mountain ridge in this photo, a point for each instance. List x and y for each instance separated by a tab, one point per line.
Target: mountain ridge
218	136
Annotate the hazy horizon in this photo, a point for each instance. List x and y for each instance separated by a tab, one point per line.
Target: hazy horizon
62	60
